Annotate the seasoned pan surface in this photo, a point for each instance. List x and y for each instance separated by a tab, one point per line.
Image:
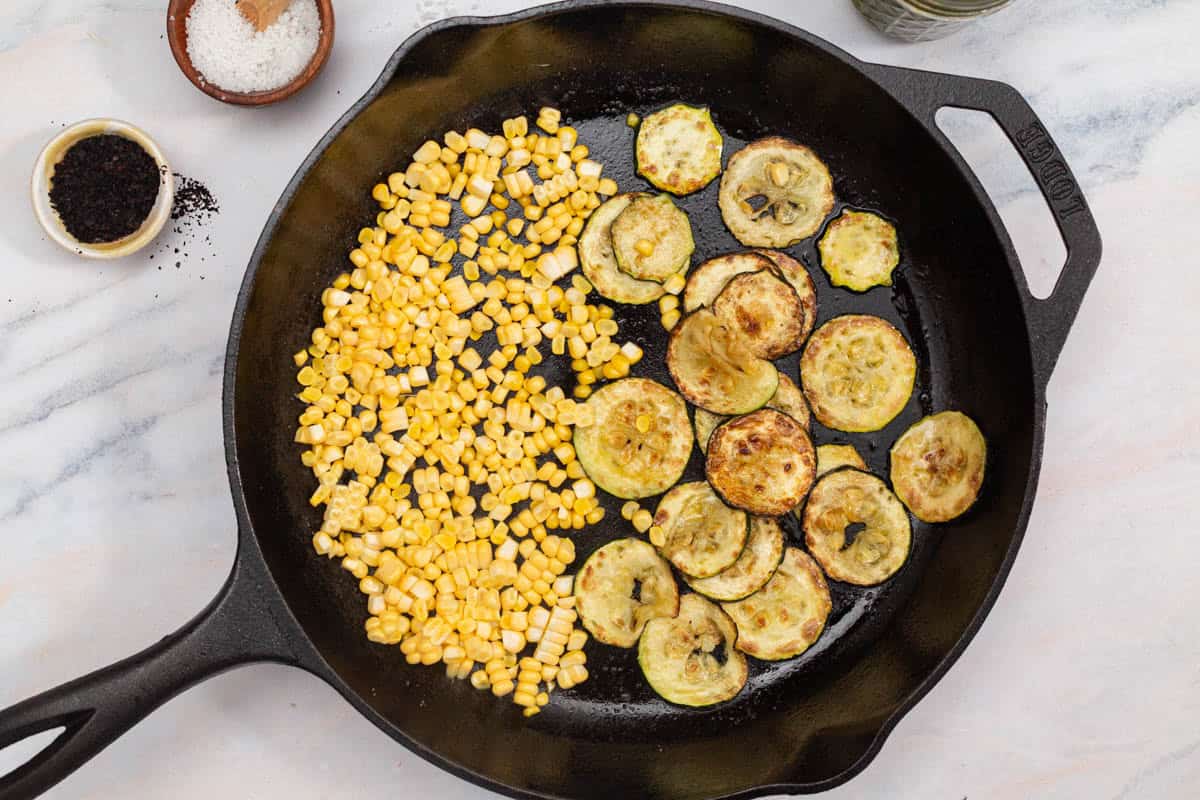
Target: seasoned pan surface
954	298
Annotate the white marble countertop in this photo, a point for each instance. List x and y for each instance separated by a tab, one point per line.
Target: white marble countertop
118	526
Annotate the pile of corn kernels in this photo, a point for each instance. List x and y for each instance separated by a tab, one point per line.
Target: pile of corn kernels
444	474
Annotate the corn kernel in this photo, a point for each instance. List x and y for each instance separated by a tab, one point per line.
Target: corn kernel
675	283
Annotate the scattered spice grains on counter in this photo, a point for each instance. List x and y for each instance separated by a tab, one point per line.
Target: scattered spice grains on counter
193	199
104	188
194	208
228	52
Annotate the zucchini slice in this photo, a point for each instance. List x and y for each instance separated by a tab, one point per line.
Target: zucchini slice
679	149
753	568
858	373
657	222
836	456
763	462
774	193
714	368
621	587
785	617
797	275
703	535
600	263
847	498
707	280
788	398
766	310
859	250
634	447
691	659
705	422
937	466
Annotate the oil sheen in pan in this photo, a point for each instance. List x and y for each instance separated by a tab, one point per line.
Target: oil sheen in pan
626	701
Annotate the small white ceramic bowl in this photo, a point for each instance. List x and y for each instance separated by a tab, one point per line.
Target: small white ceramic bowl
53	152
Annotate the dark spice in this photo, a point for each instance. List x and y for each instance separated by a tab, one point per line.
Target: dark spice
193	199
194	208
104	188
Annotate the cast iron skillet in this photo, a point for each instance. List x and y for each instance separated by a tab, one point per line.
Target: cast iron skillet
985	346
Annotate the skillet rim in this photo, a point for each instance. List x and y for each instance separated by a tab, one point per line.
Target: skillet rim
248	547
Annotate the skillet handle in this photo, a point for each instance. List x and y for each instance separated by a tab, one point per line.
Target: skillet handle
1049	319
238	627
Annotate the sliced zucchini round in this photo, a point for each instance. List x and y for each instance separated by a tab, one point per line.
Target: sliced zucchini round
691	659
636	445
705	422
790	400
657	222
937	466
858	373
679	149
753	568
763	462
707	280
836	456
703	535
766	310
787	398
774	193
784	618
859	250
845	498
797	275
600	263
621	587
714	368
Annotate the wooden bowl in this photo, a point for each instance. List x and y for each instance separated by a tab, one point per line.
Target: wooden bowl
177	13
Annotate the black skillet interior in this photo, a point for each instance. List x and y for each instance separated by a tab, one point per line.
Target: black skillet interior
803	721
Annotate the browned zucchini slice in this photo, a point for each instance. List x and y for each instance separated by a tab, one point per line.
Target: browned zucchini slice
774	193
653	221
621	587
753	568
766	310
707	280
937	466
859	250
836	456
679	149
790	400
702	535
691	659
635	446
714	368
848	497
600	263
797	275
763	462
705	422
858	373
784	618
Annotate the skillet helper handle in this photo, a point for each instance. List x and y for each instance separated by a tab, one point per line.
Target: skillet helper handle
238	627
1049	319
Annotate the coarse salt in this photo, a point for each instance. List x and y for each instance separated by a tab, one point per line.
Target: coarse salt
227	51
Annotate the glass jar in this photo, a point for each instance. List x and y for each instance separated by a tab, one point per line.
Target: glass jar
924	20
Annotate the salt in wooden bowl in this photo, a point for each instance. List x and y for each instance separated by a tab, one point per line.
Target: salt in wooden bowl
177	13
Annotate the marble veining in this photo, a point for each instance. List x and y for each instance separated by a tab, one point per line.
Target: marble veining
1083	683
